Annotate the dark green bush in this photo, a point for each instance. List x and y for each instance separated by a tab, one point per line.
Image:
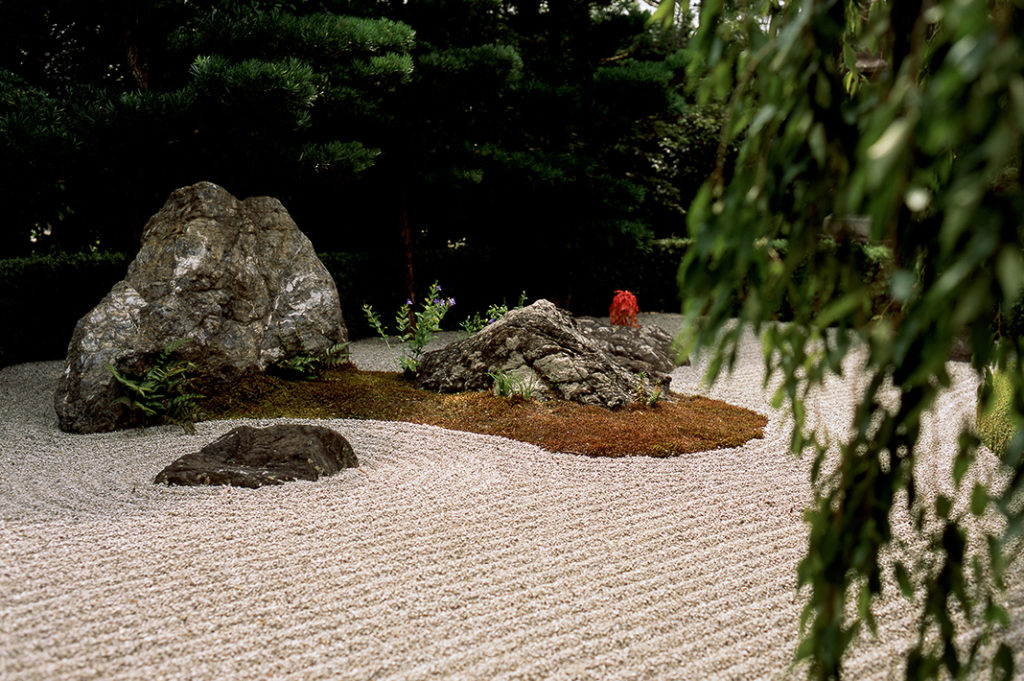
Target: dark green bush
43	296
359	278
995	423
478	277
872	261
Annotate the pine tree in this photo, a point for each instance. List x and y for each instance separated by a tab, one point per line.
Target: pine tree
258	101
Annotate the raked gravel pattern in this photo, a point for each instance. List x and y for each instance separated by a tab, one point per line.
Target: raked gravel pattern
445	555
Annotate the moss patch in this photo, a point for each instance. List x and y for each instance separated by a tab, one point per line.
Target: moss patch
687	424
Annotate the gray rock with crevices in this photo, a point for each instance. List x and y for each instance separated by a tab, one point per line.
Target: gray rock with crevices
235	280
545	346
640	349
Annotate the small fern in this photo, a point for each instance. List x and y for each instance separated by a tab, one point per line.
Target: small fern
163	392
304	366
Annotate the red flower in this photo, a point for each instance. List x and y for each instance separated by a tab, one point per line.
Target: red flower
623	310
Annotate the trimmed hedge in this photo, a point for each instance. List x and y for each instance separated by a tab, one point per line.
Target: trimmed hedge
43	296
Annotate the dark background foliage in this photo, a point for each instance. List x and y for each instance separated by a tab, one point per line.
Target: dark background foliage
494	146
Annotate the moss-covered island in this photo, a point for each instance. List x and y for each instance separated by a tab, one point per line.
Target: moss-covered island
670	427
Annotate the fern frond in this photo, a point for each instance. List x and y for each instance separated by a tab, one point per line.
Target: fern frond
162	392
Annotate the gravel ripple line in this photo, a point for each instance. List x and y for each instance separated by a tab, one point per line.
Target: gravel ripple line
445	555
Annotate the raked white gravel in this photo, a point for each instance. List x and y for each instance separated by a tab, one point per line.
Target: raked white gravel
445	555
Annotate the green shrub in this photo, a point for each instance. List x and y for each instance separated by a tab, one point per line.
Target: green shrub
1013	324
873	262
42	297
649	271
995	424
469	273
477	321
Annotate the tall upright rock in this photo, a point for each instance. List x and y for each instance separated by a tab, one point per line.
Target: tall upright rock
235	280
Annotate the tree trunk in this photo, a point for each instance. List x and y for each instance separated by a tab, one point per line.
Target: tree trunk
131	47
405	232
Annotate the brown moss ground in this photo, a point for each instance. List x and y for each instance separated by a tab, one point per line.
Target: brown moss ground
686	424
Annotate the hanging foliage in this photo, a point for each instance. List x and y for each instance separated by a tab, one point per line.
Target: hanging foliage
877	124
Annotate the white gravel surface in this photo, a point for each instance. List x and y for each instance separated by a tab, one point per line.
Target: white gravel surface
445	555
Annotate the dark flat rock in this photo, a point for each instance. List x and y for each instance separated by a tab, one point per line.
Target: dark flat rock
253	457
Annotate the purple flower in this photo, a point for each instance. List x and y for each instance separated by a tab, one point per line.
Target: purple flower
408	301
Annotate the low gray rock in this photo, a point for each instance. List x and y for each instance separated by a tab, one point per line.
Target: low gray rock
543	345
639	349
253	457
236	280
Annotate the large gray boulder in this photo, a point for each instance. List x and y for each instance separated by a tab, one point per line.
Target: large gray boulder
236	280
253	457
543	345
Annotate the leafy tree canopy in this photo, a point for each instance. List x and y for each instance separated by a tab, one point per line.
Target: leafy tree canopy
105	107
436	120
924	159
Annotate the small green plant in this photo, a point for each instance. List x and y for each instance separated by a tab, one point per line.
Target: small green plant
644	392
415	330
309	367
163	392
512	385
995	424
495	312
